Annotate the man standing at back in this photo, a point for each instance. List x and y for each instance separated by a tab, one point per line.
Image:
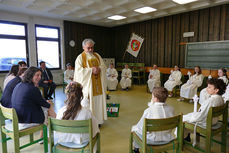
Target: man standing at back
46	81
90	71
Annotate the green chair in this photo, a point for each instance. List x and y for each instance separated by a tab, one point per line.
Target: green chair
155	125
138	72
210	130
177	88
72	126
64	84
10	114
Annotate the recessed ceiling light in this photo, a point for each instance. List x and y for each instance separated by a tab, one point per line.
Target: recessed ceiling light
184	1
116	17
145	10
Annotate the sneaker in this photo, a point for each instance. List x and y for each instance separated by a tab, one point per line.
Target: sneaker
170	96
41	142
181	99
191	101
136	150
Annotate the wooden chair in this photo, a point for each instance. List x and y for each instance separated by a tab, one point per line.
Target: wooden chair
64	84
10	114
139	72
155	125
210	130
72	126
177	88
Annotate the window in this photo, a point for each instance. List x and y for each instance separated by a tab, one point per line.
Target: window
48	46
13	44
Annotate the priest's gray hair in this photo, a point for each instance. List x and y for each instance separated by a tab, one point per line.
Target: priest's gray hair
88	40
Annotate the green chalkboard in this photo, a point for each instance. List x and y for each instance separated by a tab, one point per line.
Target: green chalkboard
207	55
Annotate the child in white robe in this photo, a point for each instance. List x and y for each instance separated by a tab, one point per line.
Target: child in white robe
189	89
75	109
154	78
174	80
126	78
222	74
215	88
112	76
68	74
157	109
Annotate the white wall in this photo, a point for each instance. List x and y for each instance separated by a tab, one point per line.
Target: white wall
31	21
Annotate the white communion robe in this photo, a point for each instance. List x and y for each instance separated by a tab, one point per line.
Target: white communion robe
112	80
174	80
7	80
67	75
203	93
83	75
80	138
189	89
226	94
155	80
126	78
156	110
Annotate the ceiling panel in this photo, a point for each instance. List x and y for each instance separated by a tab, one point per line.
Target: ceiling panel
96	11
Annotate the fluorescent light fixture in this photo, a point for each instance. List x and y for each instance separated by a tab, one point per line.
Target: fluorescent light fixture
184	1
116	17
144	10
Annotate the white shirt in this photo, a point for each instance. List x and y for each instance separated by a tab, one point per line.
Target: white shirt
156	110
126	73
83	114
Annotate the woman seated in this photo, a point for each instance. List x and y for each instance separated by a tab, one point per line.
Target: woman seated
222	74
112	76
7	93
32	109
174	80
11	75
74	111
154	78
189	89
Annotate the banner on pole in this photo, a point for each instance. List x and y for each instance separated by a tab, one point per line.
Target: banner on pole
134	45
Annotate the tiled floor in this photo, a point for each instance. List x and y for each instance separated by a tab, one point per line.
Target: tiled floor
115	131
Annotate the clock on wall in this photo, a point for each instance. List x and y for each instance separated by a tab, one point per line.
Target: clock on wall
72	43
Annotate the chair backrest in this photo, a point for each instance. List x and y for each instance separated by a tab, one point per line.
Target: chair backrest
216	112
70	126
155	125
9	113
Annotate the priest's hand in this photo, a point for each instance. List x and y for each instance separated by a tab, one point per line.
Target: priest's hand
94	70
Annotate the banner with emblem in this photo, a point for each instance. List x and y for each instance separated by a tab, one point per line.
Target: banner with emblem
134	45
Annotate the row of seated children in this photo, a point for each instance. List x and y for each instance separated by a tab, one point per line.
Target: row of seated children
158	109
112	76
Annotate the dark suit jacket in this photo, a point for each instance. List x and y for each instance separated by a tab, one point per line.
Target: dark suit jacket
7	93
27	101
44	76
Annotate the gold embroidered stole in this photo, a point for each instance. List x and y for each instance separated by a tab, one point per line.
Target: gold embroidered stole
96	79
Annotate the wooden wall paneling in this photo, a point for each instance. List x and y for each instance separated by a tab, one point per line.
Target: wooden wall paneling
204	25
227	23
194	25
214	21
161	41
154	36
184	28
177	40
222	22
147	43
168	40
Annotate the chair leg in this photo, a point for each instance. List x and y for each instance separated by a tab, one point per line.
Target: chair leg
208	144
3	142
16	145
31	138
45	138
224	141
98	144
131	143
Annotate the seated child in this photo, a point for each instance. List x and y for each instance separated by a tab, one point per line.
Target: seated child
215	88
74	110
158	109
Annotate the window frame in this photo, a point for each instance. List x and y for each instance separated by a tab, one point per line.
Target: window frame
16	37
48	39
